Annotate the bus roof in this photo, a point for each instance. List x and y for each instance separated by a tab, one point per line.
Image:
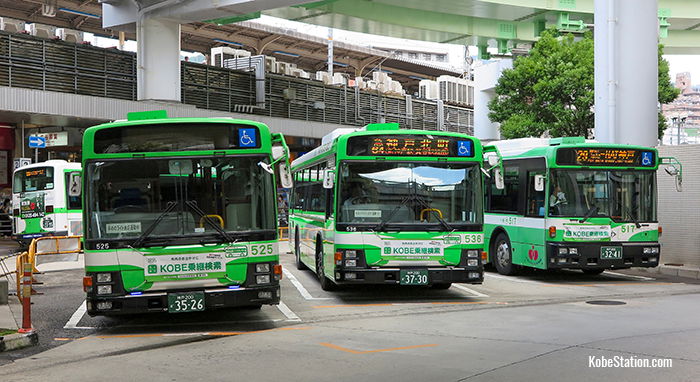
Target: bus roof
56	163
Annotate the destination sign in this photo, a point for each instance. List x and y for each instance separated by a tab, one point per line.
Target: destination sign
410	145
35	172
606	157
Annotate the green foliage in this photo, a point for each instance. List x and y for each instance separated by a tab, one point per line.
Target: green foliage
551	90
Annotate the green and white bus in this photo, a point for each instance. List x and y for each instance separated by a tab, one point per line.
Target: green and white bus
572	203
379	205
41	202
180	214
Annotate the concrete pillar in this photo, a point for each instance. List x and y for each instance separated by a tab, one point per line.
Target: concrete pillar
158	59
626	71
485	79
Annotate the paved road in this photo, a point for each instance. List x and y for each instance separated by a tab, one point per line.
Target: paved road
537	326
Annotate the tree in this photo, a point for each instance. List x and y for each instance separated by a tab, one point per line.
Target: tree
551	89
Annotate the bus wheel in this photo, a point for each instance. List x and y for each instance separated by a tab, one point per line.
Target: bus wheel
441	285
504	256
297	252
593	271
326	284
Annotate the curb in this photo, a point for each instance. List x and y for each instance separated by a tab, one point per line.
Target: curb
18	341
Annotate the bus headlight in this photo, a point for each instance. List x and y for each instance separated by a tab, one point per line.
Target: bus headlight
573	251
104	277
473	262
262	279
262	268
351	254
104	289
563	251
651	250
351	263
474	253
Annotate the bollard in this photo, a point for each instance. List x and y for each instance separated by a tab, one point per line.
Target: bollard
26	296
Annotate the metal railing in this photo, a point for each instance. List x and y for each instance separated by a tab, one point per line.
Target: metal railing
55	65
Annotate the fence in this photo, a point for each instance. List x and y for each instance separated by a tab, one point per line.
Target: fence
55	65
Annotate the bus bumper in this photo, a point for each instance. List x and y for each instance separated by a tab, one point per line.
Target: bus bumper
588	255
153	302
391	276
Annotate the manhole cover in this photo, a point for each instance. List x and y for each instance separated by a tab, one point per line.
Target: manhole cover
605	302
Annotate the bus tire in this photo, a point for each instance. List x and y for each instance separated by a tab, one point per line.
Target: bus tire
326	284
503	256
297	252
441	286
593	272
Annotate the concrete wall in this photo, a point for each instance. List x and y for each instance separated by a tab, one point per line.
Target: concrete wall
679	212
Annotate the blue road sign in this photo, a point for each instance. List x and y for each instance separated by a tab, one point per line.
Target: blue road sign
37	142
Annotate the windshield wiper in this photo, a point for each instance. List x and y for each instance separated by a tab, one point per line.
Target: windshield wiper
629	213
384	221
193	205
139	241
591	212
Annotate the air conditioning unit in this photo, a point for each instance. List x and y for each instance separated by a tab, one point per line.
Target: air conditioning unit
42	30
428	89
360	82
397	88
323	77
381	77
11	25
455	90
70	35
270	64
339	79
372	85
220	54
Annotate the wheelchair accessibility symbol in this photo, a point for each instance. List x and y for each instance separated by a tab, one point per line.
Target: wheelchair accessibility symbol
647	158
464	148
246	138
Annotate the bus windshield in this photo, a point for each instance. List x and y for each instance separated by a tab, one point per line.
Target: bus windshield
33	179
428	195
178	198
627	195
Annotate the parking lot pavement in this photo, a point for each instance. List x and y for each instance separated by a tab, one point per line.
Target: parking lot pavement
63	320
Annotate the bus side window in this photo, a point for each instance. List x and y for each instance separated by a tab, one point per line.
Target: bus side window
535	199
73	202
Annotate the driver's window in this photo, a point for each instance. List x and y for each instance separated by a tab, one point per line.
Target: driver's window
535	199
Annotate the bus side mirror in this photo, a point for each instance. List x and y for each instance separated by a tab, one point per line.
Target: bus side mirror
492	160
285	174
539	182
674	168
278	152
74	184
328	179
498	178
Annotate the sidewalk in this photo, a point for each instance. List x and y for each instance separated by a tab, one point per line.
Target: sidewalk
10	319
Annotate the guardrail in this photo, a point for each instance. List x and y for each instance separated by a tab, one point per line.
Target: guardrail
54	65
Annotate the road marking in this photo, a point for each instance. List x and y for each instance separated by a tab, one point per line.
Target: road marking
222	334
291	316
512	278
336	347
351	305
76	317
629	276
297	284
412	304
469	290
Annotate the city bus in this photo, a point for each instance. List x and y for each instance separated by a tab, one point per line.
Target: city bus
380	205
41	204
180	214
569	203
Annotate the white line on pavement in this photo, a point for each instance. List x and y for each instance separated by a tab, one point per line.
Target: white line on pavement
469	290
512	278
297	284
629	276
291	316
75	318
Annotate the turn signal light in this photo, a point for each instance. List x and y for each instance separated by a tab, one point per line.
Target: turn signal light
277	270
339	256
484	256
87	284
552	232
661	230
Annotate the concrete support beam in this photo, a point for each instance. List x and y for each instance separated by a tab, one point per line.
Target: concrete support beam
626	72
158	59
